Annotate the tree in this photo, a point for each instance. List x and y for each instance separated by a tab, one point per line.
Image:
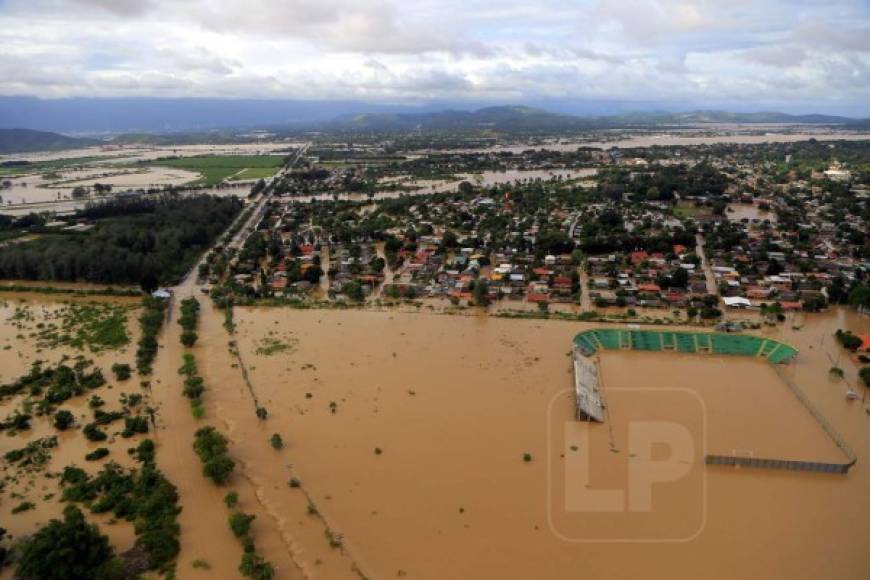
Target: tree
254	566
122	371
149	282
70	549
219	469
354	291
680	278
79	192
555	242
240	524
481	292
860	296
774	268
63	420
188	338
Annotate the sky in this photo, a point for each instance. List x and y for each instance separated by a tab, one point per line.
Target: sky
798	55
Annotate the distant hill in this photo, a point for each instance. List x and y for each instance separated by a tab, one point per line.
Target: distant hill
504	118
27	140
168	139
692	117
520	119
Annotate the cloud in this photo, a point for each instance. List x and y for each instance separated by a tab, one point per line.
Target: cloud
679	50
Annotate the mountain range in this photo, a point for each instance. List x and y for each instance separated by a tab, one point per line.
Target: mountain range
499	119
521	118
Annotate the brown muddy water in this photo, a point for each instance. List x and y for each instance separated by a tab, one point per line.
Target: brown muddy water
408	433
454	402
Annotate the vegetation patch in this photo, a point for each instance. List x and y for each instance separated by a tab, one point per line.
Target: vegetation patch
270	346
48	387
194	386
95	326
150	321
211	447
188	320
142	496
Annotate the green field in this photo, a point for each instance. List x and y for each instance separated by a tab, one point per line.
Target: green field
683	210
217	168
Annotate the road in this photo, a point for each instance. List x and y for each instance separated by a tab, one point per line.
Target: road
260	203
712	286
187	286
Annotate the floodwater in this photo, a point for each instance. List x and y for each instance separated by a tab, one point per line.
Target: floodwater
35	188
132	153
671	139
739	211
490	178
453	403
407	433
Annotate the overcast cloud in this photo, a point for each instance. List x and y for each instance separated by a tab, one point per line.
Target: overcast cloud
764	51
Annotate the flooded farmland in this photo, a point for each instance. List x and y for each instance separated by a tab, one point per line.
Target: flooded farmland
684	138
27	336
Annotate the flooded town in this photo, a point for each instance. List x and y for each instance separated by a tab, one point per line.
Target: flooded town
376	341
310	292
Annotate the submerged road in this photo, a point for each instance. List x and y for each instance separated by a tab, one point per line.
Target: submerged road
712	287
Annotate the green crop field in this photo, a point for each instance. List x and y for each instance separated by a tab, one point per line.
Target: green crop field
216	168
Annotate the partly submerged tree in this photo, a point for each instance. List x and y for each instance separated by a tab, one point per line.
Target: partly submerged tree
71	549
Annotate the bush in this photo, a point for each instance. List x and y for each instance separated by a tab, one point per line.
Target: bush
94	433
254	566
240	523
188	321
133	425
219	469
231	499
96	454
848	340
145	452
211	447
276	441
24	506
150	321
63	420
193	387
121	371
188	338
864	373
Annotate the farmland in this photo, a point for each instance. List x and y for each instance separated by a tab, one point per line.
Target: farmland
214	169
